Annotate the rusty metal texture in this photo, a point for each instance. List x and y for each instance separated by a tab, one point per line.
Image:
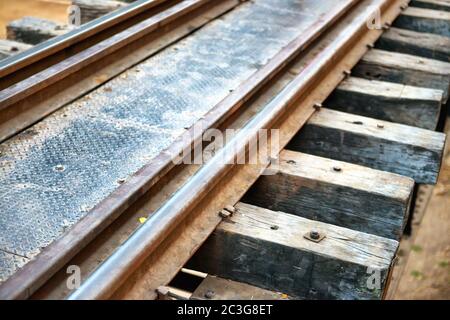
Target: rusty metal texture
52	174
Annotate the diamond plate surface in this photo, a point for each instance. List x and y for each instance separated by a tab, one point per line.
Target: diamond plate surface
53	173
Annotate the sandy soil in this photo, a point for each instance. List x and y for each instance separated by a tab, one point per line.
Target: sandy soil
14	9
427	271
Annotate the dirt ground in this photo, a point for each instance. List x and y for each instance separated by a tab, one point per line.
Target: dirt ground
426	272
14	9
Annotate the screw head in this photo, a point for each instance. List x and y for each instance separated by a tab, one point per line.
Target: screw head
59	168
380	126
274	227
209	294
337	169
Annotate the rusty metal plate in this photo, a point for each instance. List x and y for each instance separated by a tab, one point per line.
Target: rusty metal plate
52	174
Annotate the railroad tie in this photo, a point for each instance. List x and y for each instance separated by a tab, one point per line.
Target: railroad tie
431	4
336	192
378	144
421	44
9	48
216	288
388	101
34	30
405	69
424	20
283	259
93	9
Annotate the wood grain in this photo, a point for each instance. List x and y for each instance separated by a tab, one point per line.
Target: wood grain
405	69
355	197
249	249
387	146
425	20
388	101
422	44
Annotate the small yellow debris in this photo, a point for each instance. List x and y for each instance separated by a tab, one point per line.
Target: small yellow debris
284	296
142	219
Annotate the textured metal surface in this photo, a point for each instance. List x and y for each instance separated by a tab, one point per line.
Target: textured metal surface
55	172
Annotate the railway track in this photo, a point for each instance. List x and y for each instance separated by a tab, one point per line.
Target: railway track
89	172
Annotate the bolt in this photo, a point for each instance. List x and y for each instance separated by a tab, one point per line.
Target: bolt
337	169
230	209
315	235
380	126
209	294
274	227
59	168
317	106
347	73
224	214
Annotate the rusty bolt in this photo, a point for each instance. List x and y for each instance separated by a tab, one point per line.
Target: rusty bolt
315	235
230	209
224	214
317	106
209	294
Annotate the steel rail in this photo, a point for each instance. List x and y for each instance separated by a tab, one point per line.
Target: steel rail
35	273
80	60
73	37
109	276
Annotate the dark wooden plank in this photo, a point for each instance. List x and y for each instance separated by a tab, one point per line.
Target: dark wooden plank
424	20
442	5
93	9
388	101
9	48
33	30
216	288
392	147
422	44
268	249
335	192
405	69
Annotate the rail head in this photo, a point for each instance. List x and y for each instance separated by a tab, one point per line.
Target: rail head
41	51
